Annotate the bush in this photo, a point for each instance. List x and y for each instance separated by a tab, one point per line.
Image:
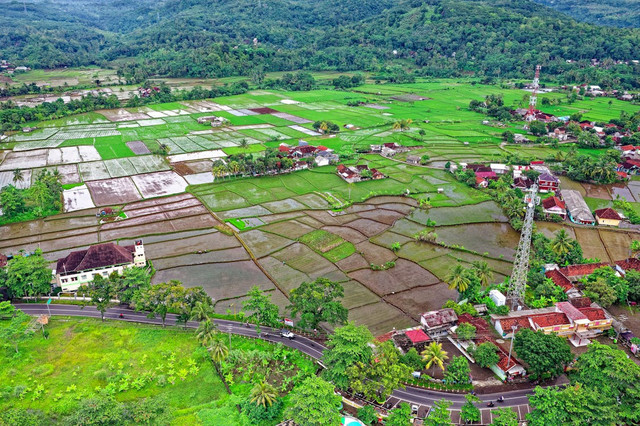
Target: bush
368	415
259	414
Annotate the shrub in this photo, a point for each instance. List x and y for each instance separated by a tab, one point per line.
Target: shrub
259	414
368	415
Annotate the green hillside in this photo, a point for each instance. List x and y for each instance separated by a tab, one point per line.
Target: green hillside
615	13
198	38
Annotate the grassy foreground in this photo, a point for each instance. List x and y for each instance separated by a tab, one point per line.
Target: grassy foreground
82	356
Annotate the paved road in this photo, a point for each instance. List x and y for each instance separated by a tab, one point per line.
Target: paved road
515	399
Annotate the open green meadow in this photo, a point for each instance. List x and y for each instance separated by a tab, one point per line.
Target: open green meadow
84	356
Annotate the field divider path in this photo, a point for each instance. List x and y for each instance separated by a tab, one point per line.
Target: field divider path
253	256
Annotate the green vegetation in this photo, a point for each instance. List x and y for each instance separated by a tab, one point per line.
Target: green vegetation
292	38
331	246
316	302
44	198
545	354
614	13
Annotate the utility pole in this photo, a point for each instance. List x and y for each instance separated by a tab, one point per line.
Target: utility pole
513	336
518	280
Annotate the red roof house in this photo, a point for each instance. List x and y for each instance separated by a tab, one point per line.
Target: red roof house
559	279
417	336
574	272
554	205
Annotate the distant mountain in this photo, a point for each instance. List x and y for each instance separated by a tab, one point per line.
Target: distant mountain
208	38
613	13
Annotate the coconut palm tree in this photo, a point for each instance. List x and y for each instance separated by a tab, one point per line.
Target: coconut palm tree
483	272
397	125
434	355
635	247
219	352
263	394
324	126
457	278
244	144
562	243
17	176
206	331
201	311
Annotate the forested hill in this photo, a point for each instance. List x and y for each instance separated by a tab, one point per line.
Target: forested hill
615	13
215	37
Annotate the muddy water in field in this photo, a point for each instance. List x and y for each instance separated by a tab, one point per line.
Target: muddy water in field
495	238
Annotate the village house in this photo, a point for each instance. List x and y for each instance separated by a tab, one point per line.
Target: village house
518	138
577	208
578	324
554	205
608	217
437	323
413	159
499	169
324	158
353	174
560	134
376	149
522	182
80	267
548	182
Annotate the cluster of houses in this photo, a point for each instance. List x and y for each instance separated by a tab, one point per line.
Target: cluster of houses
145	92
596	91
358	173
566	203
10	68
213	120
388	149
322	155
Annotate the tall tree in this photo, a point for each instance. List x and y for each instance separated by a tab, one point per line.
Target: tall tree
318	301
219	352
206	331
17	177
314	403
384	373
159	299
399	416
504	417
101	290
457	278
469	412
466	331
15	331
434	355
543	353
482	270
439	414
486	354
11	201
616	378
346	346
458	370
262	310
561	243
131	281
574	405
28	275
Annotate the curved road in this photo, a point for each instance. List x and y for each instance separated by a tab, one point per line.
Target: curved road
516	399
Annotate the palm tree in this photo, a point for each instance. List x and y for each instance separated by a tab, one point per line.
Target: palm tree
457	278
562	243
201	311
219	352
244	144
434	355
483	272
18	176
397	125
324	127
263	394
206	331
635	247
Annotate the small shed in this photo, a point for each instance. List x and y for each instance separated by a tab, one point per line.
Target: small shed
413	159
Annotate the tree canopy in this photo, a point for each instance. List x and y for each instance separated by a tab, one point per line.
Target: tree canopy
543	353
318	301
347	346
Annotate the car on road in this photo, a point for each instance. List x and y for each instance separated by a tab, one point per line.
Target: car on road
286	333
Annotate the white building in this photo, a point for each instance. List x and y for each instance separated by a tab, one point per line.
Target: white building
80	267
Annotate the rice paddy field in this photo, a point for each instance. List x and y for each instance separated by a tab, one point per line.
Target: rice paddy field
286	230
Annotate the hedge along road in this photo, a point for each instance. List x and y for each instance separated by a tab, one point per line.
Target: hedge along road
410	394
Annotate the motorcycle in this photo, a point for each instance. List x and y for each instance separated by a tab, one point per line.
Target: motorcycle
491	404
501	399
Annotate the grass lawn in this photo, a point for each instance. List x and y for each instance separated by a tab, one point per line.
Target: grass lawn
82	356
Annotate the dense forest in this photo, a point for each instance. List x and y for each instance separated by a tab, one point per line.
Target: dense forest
615	13
198	38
